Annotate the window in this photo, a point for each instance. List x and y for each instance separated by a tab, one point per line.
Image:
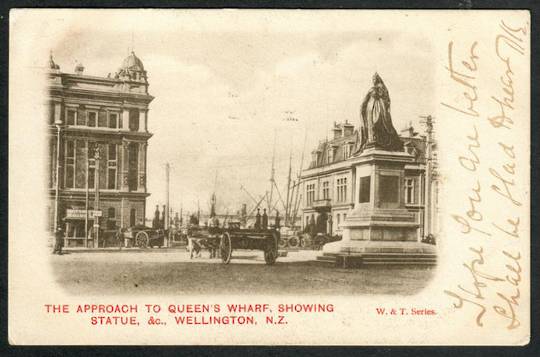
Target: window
365	189
330	156
113	120
389	188
111	167
92	119
310	193
314	157
81	118
346	151
338	219
70	164
132	216
134	119
71	116
318	159
409	191
133	154
111	213
51	113
326	190
91	164
102	120
342	189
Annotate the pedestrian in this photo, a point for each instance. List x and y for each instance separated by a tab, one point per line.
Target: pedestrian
58	241
155	221
258	219
277	221
264	220
312	227
120	237
330	223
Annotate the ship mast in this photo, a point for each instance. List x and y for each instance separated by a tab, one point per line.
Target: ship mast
213	199
287	206
298	197
272	174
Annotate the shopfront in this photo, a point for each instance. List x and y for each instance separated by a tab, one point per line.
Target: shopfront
78	222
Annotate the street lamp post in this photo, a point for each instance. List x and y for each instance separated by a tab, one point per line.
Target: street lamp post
87	195
57	174
96	197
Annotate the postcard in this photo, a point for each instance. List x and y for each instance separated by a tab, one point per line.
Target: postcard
269	177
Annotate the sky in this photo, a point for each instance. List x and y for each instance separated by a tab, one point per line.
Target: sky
224	85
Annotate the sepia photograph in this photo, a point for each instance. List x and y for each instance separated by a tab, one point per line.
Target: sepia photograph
215	163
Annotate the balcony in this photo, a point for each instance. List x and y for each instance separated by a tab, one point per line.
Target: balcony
324	203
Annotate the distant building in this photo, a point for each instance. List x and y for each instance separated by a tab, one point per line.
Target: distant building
328	182
109	114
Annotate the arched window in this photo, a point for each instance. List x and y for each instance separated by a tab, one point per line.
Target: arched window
132	216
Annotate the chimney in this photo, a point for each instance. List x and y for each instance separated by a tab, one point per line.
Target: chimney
79	69
337	131
348	128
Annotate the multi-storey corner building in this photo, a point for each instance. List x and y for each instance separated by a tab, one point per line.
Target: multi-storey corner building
98	137
329	182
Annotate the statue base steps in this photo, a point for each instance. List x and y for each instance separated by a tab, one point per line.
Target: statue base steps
363	253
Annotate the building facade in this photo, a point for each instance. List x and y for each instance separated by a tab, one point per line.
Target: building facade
98	137
328	185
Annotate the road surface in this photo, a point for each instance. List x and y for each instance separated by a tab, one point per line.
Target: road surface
172	272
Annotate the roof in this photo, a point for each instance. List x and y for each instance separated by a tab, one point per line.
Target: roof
339	146
415	146
133	62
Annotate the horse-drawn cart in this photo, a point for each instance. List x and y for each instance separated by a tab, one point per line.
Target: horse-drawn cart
144	237
256	239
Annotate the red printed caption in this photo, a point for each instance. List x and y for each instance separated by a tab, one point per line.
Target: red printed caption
188	314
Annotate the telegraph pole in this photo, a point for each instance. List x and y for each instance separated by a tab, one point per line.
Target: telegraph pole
167	171
429	159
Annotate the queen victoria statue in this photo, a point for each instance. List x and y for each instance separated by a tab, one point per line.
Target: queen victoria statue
376	129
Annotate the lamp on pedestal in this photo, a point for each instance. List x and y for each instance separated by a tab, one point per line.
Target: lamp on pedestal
96	197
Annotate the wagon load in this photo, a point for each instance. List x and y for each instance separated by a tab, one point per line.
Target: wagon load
254	239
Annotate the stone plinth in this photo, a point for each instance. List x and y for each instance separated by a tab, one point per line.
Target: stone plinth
380	223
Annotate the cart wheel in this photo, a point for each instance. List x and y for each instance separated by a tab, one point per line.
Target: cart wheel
271	251
282	243
293	242
142	239
225	248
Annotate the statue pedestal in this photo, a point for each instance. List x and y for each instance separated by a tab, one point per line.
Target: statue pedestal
380	229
